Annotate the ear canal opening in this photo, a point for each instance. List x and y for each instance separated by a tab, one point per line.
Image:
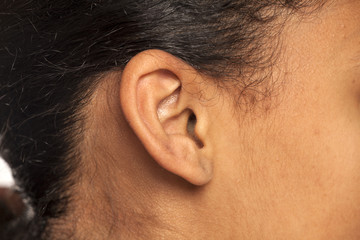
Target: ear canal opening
191	130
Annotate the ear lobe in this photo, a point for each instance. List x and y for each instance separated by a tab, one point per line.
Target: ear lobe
162	114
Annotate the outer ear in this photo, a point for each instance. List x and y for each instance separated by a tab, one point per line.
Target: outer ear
157	101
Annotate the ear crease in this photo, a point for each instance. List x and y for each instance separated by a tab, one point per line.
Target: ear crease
191	130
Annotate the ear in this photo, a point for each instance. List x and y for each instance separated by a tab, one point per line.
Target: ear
160	100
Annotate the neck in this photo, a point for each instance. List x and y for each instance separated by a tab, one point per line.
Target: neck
146	214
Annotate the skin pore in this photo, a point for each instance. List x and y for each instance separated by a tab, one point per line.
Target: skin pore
289	173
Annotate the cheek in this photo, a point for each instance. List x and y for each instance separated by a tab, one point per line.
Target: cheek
311	154
319	175
297	170
301	163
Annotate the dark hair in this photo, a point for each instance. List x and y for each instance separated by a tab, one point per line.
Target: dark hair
52	54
